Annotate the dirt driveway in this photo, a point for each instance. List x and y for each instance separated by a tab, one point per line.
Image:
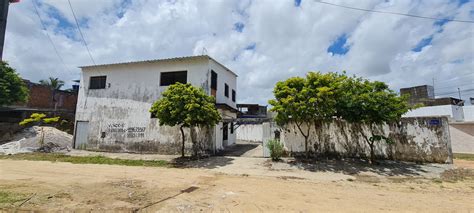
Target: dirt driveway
65	186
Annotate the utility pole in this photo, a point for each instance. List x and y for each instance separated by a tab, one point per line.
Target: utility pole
434	93
3	22
459	91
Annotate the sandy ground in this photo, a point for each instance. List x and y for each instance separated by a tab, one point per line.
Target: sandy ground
226	184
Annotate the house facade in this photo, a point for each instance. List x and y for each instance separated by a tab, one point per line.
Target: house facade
114	102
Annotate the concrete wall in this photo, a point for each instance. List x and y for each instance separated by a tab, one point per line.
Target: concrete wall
455	113
416	139
119	117
462	137
468	113
250	132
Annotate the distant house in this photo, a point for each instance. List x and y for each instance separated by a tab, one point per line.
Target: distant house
251	111
432	106
115	99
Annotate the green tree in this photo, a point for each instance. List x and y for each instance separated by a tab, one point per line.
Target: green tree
291	106
53	83
306	102
185	106
323	91
363	102
12	87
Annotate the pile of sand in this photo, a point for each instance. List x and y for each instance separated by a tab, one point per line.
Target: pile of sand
28	140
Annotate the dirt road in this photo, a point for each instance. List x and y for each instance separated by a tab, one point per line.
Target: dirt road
65	186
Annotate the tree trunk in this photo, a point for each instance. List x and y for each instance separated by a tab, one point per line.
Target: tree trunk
305	137
306	146
372	153
371	144
183	139
42	137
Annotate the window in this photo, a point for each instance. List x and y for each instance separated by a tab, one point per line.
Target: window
233	96
213	80
231	127
226	90
168	78
97	82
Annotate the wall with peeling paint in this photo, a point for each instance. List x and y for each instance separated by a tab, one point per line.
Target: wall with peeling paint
119	117
424	139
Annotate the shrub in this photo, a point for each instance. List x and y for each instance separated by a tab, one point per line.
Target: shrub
276	149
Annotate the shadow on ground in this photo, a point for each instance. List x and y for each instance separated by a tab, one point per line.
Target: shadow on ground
208	163
356	166
238	149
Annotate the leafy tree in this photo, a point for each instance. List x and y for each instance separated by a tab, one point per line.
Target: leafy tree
306	102
12	87
291	106
370	103
53	83
322	92
40	120
185	106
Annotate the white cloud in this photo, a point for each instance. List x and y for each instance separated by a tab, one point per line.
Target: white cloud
289	40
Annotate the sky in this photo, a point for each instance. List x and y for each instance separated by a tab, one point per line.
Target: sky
263	41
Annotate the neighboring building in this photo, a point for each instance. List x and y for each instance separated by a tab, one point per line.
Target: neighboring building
453	112
251	111
418	94
40	99
115	99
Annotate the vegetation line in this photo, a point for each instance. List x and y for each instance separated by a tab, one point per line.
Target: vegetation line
85	159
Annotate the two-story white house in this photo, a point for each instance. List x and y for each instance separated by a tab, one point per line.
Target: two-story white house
114	102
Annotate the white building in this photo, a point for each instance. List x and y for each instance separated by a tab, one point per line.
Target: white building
453	112
115	99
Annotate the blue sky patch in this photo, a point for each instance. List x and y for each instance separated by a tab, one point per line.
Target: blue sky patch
297	3
339	47
123	7
251	46
61	24
441	22
423	43
461	2
239	27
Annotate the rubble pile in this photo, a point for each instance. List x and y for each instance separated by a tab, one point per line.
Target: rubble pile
28	140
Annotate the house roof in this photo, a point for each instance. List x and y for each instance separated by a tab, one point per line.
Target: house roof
161	60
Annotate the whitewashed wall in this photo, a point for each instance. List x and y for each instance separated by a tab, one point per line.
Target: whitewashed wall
125	103
468	113
224	77
416	139
455	113
250	132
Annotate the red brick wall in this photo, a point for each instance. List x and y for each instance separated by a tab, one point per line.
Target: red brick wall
41	97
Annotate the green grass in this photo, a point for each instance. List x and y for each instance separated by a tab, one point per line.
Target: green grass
464	156
54	157
9	198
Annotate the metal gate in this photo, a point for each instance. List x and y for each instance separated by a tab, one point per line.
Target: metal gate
80	136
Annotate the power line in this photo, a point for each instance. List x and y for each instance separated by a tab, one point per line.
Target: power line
80	32
49	37
395	13
453	86
466	90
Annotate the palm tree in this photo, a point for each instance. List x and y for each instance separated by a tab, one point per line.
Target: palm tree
54	84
